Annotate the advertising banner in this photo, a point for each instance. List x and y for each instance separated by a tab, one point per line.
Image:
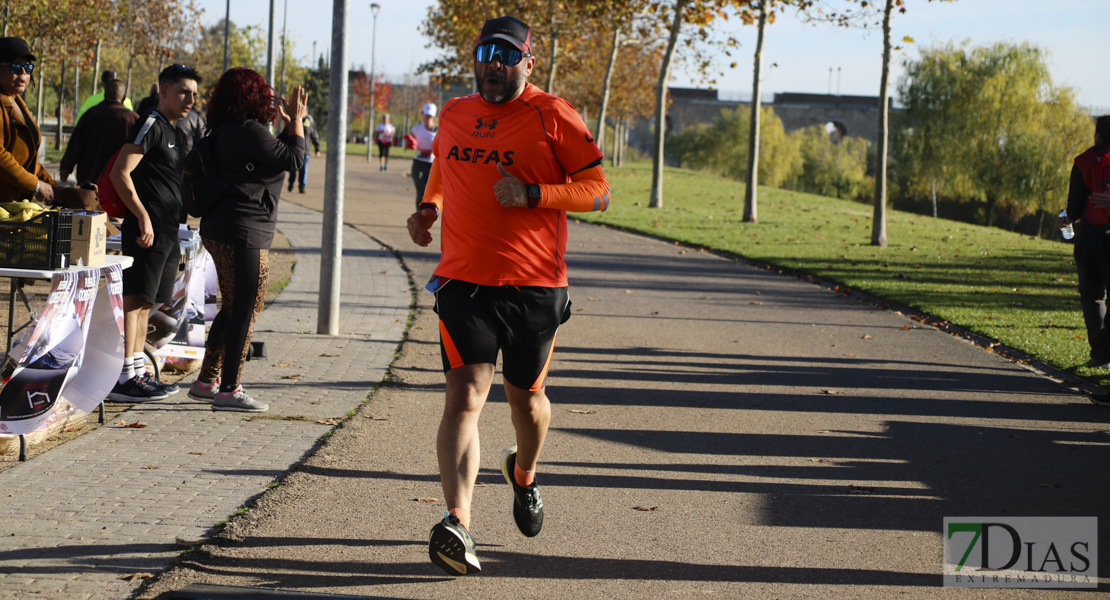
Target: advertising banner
74	351
43	360
102	360
176	329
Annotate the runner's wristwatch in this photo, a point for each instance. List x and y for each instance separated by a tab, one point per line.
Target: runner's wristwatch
533	192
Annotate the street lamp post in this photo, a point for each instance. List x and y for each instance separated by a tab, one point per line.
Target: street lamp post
227	31
374	8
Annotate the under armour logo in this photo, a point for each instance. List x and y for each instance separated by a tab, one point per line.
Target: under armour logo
492	124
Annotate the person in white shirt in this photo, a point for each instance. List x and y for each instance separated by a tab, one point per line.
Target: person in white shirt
383	137
424	133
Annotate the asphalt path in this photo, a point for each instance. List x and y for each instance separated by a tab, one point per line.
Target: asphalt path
718	430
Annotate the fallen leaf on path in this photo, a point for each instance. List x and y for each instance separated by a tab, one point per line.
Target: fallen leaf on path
906	327
151	467
135	425
582	411
377	418
121	422
594	299
628	291
134	576
867	337
643	508
755	302
480	484
328	422
282	363
294	376
830	392
426	500
326	355
196	453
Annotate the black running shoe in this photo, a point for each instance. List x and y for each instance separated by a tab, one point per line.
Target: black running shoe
452	548
169	388
527	504
135	390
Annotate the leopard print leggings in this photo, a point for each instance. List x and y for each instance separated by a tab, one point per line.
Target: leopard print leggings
243	274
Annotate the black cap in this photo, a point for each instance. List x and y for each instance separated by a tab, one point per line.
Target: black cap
509	29
13	48
107	76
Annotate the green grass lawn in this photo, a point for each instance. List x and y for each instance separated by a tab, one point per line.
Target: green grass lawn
360	150
1016	289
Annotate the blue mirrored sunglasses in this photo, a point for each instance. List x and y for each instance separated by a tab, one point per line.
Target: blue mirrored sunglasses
18	69
508	55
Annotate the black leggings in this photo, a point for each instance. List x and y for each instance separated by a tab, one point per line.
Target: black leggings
242	274
420	171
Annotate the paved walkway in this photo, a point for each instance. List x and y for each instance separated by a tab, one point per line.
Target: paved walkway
117	500
718	430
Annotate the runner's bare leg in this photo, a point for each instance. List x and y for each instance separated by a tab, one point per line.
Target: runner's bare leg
457	446
531	418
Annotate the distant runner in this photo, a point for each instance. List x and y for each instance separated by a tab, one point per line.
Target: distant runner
510	162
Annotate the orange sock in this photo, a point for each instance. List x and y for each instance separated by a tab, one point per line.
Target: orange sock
463	515
523	478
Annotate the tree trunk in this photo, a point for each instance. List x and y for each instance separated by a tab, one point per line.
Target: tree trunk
130	68
600	133
61	105
76	92
625	134
878	227
751	212
992	201
554	52
42	99
656	199
96	67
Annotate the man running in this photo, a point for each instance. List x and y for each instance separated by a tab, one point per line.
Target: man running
512	160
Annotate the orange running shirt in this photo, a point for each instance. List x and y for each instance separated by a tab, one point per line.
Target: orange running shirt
538	138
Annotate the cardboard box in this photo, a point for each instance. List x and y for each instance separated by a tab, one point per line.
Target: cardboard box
89	238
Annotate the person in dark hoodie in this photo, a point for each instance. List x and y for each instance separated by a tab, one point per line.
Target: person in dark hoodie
1088	207
99	132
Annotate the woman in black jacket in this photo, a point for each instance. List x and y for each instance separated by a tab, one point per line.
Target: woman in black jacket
240	228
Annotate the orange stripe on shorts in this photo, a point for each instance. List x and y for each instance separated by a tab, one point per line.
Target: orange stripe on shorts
537	385
453	357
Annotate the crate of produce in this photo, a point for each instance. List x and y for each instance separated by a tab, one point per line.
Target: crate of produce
40	242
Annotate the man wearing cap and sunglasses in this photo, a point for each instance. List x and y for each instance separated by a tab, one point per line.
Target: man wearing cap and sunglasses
510	162
22	176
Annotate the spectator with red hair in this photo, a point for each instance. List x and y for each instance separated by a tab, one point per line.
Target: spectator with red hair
240	228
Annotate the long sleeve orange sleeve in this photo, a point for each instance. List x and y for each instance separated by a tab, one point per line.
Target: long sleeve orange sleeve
587	191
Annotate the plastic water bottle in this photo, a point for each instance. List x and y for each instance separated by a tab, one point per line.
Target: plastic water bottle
1066	230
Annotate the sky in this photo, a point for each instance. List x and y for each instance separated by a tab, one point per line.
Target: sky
798	56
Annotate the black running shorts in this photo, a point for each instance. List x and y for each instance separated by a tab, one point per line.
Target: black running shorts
155	270
476	321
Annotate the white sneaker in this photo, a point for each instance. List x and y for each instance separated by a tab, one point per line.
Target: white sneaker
238	401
